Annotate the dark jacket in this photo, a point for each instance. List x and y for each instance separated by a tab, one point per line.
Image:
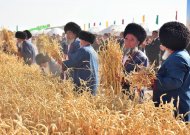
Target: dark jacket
153	51
137	58
173	79
73	47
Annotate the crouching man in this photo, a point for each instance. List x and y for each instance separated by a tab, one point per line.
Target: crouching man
48	65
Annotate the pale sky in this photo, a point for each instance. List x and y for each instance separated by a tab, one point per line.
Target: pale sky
31	13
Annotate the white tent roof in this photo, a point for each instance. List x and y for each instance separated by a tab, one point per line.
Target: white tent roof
94	30
56	31
34	32
46	31
145	26
113	29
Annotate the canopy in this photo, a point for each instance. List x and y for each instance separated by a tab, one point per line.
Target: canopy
56	31
113	29
34	32
94	30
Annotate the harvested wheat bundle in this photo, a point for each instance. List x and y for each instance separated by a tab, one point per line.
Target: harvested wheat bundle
111	69
54	50
7	41
42	41
142	77
47	45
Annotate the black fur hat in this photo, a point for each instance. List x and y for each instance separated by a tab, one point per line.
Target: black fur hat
41	58
87	36
137	30
71	26
174	35
20	35
28	34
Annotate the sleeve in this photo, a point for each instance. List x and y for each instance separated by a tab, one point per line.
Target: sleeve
76	60
176	71
55	67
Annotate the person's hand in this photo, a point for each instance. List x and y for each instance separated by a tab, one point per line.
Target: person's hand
153	82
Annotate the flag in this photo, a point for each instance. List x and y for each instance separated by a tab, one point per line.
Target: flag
176	15
84	27
122	21
94	24
89	25
114	22
106	24
157	21
143	18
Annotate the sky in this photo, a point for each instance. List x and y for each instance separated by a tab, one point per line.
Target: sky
188	14
31	13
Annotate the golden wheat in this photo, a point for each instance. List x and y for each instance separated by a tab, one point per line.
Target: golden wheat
31	103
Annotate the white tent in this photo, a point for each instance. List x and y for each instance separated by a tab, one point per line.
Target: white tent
46	31
145	26
94	30
40	32
56	31
113	29
34	32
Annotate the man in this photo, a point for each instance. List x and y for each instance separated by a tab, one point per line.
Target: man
153	49
28	37
48	65
73	44
134	35
84	63
173	77
121	40
25	48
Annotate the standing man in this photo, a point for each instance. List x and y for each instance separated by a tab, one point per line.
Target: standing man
28	38
153	49
25	48
84	64
134	36
73	44
173	77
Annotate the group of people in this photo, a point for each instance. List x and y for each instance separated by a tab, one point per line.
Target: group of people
173	77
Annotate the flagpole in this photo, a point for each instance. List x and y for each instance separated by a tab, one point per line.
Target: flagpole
176	16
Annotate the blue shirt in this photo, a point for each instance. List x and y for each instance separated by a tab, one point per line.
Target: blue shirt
28	53
85	66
